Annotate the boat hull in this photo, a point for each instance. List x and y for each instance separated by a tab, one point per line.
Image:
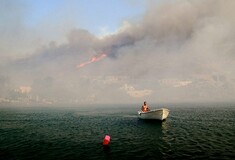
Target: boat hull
156	114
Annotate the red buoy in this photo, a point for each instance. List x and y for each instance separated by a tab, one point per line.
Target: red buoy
106	140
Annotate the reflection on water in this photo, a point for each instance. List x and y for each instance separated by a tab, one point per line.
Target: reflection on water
107	152
165	125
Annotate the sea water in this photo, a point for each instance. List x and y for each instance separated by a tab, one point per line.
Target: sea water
190	132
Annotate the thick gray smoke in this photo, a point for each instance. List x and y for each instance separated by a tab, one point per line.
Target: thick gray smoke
180	51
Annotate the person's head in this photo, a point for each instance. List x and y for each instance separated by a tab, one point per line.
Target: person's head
145	102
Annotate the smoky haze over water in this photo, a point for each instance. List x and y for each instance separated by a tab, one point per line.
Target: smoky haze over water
179	51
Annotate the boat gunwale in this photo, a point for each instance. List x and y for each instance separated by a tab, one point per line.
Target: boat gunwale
154	110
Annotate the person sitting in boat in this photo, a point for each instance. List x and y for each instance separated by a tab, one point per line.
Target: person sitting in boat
145	107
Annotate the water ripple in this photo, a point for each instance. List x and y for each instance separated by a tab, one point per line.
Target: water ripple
188	133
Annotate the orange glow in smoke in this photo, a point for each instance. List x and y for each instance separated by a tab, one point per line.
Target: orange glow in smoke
93	59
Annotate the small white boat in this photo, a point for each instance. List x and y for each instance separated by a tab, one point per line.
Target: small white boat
156	114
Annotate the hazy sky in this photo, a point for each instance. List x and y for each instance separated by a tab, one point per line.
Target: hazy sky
126	51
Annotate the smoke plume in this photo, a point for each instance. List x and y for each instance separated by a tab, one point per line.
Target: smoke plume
180	51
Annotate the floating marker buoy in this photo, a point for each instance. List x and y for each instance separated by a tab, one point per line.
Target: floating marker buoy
106	140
